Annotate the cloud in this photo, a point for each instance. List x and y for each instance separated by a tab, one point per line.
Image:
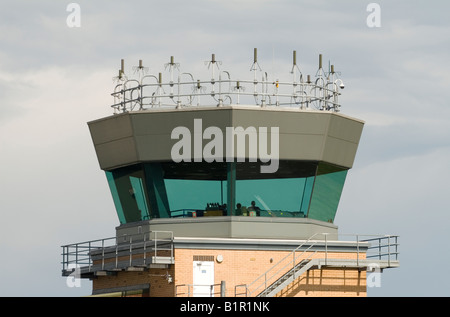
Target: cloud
54	79
404	196
47	144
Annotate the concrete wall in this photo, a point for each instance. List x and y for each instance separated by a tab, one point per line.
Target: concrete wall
232	227
140	136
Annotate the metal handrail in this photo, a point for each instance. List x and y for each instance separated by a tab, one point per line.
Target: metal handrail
286	267
264	275
307	94
321	93
191	286
80	254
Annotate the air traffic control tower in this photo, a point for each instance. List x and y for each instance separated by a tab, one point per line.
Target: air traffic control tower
226	187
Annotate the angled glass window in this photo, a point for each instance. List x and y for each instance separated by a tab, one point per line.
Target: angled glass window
285	197
115	196
139	195
201	189
196	189
327	192
127	187
286	193
196	198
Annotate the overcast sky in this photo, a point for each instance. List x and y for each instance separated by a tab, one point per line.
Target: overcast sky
54	79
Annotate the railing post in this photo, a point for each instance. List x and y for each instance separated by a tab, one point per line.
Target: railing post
64	258
396	246
131	248
145	250
357	250
222	289
389	251
293	263
156	246
117	255
141	89
171	245
103	254
89	258
265	280
76	253
123	99
379	248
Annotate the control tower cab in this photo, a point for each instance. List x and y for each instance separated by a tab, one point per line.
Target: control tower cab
229	187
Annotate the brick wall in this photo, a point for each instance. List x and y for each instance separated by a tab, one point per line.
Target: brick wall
159	285
328	282
241	267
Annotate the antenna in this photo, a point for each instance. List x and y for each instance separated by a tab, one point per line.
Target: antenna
321	93
320	73
255	65
140	69
171	66
121	76
213	62
295	66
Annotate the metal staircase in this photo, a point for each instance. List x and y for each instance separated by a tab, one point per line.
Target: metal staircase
282	273
304	258
287	278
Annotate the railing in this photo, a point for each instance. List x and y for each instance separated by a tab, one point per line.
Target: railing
109	253
79	254
150	91
319	95
189	213
376	248
187	290
276	271
385	247
182	213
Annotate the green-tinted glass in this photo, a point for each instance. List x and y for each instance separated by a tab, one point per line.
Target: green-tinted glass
115	196
306	194
139	195
163	190
326	194
186	196
127	186
284	197
156	191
